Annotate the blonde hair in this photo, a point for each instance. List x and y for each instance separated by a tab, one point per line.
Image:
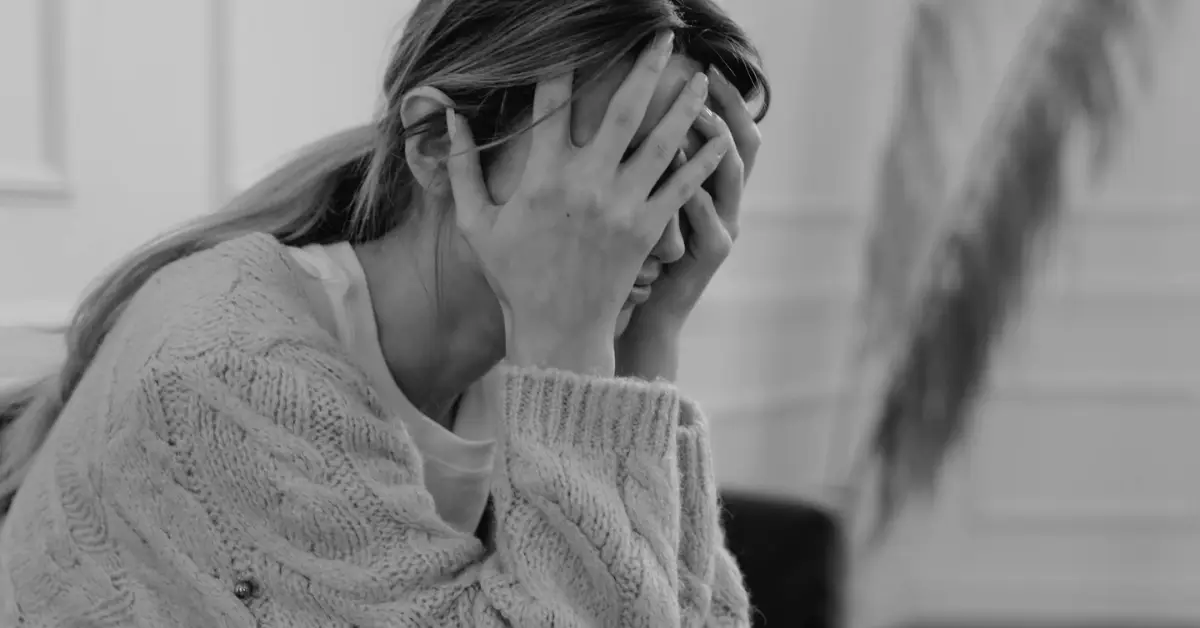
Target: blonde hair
487	56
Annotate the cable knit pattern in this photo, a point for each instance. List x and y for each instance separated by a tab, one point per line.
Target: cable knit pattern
223	464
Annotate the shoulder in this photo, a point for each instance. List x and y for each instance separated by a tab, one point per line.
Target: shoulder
243	295
237	324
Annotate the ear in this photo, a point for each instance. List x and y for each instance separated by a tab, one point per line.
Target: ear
426	153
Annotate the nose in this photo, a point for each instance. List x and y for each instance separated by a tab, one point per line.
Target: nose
670	247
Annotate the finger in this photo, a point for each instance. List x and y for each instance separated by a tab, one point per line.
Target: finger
729	180
708	230
628	106
687	181
466	175
656	153
552	118
680	160
737	115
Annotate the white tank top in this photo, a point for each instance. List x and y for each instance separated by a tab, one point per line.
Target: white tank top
458	464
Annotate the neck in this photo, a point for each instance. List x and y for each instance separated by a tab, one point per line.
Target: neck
439	324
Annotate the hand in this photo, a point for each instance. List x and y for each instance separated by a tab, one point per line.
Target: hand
711	216
562	254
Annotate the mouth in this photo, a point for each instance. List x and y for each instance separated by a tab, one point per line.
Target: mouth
638	295
642	288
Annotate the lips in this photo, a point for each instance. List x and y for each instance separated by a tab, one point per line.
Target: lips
645	278
638	295
642	286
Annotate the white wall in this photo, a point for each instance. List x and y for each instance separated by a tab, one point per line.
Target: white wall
119	118
153	113
1076	496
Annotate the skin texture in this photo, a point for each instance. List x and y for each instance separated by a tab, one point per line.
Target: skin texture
587	114
439	341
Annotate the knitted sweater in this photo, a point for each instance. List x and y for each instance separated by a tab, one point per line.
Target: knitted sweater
224	464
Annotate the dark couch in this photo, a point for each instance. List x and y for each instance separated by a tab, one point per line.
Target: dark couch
790	553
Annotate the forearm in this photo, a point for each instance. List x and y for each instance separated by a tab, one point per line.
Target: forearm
590	468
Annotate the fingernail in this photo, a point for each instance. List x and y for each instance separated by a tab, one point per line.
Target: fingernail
451	123
666	43
707	115
718	76
699	85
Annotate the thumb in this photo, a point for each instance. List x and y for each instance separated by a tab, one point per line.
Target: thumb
470	193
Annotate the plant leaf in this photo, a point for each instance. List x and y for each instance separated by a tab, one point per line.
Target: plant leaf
911	179
1068	80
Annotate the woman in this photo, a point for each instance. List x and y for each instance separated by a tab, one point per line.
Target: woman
382	388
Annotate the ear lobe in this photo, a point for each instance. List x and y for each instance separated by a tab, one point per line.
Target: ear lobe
426	153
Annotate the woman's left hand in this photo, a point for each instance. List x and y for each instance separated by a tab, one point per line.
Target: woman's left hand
712	213
649	346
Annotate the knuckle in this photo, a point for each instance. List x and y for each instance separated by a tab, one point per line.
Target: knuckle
737	164
723	127
558	192
723	247
713	161
624	117
661	150
581	198
755	138
687	189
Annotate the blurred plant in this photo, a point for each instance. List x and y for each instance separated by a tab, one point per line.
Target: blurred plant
948	259
911	185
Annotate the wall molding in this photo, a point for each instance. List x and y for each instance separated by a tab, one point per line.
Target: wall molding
849	211
46	178
1106	516
1053	285
845	405
1092	294
961	597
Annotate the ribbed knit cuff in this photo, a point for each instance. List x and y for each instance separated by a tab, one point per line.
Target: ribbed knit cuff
593	414
699	482
730	600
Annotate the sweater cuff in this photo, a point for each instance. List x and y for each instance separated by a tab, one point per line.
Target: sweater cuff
594	414
699	493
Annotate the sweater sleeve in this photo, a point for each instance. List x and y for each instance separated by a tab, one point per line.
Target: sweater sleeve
316	497
712	593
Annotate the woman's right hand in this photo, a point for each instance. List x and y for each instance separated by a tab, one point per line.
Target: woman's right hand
563	253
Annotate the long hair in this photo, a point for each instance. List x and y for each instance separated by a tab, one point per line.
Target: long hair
487	56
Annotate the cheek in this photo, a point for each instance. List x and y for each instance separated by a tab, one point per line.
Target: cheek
506	169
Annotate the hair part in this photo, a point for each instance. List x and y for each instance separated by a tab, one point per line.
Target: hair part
487	56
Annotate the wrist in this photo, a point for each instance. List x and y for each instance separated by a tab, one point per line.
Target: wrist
649	352
656	326
584	351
